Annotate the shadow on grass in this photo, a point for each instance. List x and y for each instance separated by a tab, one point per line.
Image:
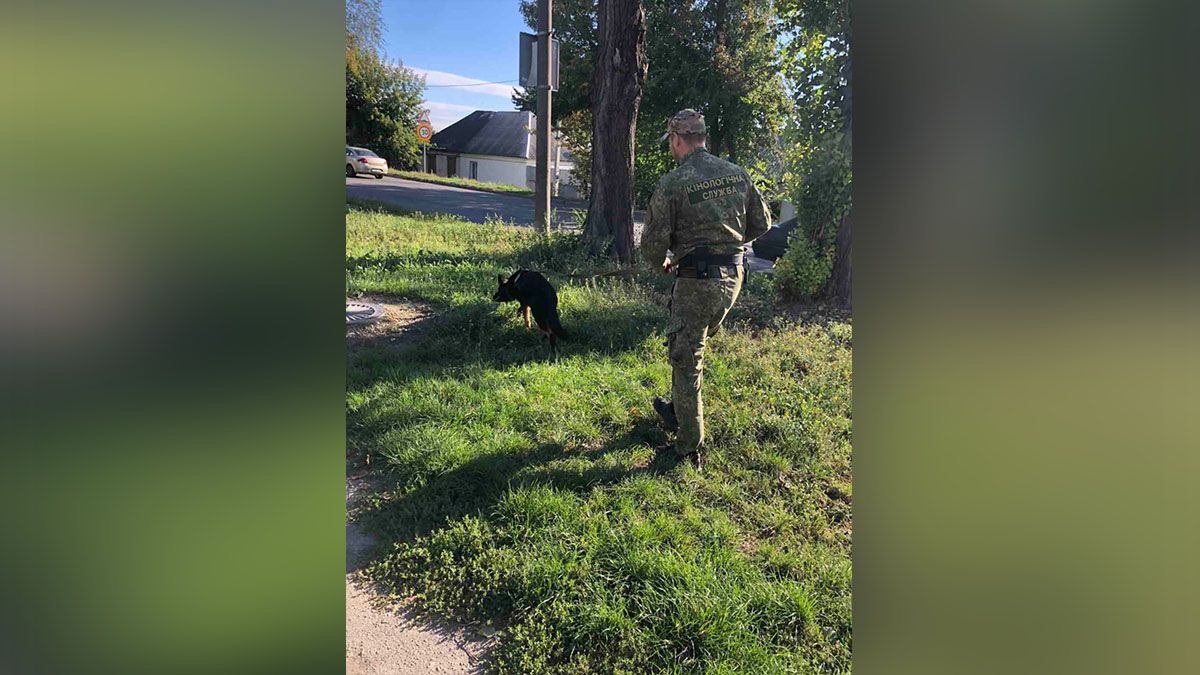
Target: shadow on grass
462	341
489	335
477	486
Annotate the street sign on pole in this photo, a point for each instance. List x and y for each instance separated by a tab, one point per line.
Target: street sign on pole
527	76
424	136
527	59
424	128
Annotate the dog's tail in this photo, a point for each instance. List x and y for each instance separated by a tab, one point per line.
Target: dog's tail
556	325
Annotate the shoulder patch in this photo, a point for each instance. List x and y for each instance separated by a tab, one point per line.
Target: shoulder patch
715	188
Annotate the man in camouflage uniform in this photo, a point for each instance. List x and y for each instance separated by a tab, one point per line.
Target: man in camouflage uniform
705	212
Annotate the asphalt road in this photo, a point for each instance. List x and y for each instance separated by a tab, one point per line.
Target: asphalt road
472	205
477	206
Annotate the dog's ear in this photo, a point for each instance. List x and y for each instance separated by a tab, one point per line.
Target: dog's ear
500	278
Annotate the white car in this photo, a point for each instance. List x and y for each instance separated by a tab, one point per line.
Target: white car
362	160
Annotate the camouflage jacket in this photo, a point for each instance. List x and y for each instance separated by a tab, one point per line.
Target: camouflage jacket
707	202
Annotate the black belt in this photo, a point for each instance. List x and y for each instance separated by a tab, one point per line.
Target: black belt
714	272
708	266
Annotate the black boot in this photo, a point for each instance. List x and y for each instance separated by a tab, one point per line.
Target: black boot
666	413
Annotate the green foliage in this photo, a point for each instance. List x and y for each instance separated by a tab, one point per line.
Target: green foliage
576	129
383	100
818	68
804	268
818	176
721	58
526	493
822	197
823	192
652	157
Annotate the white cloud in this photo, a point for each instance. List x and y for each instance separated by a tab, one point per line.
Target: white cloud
442	115
440	78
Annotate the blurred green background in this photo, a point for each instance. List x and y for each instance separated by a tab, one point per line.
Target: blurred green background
1026	362
172	249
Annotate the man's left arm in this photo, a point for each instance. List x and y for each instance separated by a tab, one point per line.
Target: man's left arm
656	236
758	218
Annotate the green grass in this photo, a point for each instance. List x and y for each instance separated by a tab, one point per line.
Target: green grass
461	182
523	492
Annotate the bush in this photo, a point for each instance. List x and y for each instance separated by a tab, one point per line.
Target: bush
563	252
804	268
822	195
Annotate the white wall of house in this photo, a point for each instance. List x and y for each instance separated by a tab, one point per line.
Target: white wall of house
505	170
492	169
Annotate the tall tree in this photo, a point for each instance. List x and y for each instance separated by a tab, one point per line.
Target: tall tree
616	90
383	100
364	24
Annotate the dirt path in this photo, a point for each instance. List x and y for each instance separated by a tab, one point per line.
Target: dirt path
401	325
386	639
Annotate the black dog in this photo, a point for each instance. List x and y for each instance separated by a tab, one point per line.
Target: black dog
537	295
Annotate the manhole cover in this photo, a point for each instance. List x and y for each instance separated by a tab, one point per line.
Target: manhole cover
361	313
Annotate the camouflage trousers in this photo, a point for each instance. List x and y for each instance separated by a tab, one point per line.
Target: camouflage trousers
698	308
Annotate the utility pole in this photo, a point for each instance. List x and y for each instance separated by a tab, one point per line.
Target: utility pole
541	193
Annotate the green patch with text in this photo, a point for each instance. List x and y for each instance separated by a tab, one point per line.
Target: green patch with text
715	188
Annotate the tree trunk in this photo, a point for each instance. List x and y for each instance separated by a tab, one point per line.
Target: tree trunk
841	278
839	289
616	95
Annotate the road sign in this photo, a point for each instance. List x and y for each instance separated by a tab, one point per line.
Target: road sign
528	76
424	132
423	117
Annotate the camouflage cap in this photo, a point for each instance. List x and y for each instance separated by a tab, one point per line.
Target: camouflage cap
685	121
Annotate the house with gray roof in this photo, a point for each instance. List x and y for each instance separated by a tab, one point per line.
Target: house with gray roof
497	147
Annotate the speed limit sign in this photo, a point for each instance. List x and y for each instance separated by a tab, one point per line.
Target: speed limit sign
424	132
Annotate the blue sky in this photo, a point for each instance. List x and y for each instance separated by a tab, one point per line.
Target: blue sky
457	42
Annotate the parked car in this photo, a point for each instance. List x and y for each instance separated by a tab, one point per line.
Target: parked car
362	160
772	244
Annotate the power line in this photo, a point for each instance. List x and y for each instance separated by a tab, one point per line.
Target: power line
475	84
